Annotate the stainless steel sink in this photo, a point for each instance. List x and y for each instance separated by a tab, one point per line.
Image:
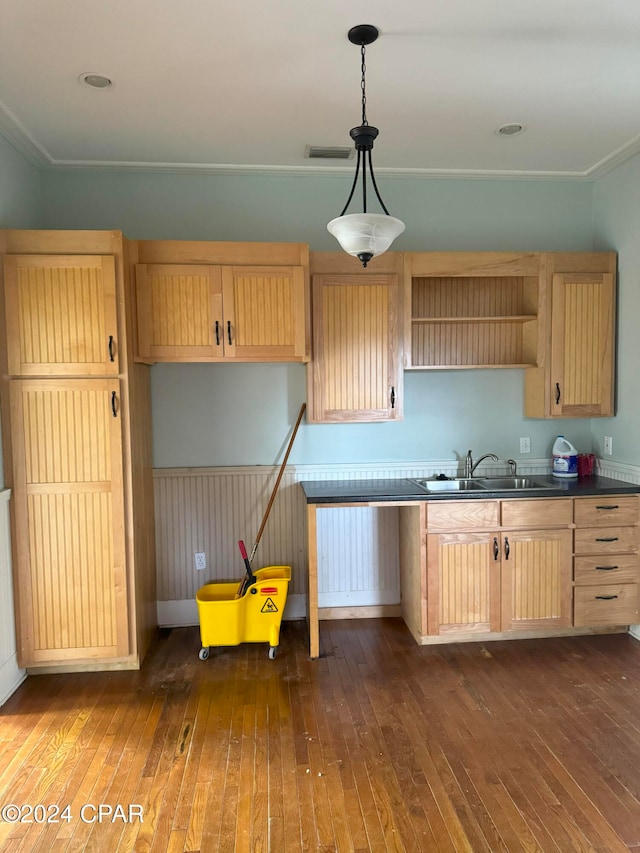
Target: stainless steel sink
458	485
481	484
518	483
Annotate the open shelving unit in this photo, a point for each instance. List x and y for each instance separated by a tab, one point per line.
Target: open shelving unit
466	321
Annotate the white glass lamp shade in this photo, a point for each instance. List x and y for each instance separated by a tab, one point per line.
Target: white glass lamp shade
365	234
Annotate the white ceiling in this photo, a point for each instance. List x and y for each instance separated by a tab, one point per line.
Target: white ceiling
231	85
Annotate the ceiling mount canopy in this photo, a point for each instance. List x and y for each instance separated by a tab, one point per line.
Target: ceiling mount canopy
364	235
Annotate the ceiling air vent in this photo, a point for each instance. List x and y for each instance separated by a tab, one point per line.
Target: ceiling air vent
329	152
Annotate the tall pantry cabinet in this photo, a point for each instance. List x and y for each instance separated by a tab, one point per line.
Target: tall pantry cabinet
77	452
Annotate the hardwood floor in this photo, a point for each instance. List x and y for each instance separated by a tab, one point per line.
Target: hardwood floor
378	745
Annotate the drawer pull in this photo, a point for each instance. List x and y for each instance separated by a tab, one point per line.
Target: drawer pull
111	351
113	404
614	506
229	332
496	549
608	539
507	548
217	333
557	393
606	568
605	597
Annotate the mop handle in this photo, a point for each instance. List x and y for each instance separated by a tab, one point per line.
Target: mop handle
275	488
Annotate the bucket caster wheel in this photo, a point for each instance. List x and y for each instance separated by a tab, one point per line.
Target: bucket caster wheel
203	654
273	651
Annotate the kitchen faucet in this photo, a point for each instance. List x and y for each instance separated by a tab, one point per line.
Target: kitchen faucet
470	466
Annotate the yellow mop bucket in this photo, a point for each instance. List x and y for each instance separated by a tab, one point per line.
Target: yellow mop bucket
255	617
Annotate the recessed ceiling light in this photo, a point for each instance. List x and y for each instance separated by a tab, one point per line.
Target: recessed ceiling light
95	81
510	129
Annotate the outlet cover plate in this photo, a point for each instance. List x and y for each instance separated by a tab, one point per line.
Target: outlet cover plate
525	444
200	560
608	445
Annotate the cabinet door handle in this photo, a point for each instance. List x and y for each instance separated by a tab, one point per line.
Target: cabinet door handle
113	404
496	549
607	539
111	349
393	397
507	548
605	597
229	332
557	393
612	506
606	568
217	333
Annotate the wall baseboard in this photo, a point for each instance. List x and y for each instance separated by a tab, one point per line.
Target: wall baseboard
11	677
184	613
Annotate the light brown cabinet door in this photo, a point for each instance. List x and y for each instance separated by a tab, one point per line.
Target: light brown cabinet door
61	315
180	312
355	372
463	586
536	579
204	312
264	313
582	330
69	506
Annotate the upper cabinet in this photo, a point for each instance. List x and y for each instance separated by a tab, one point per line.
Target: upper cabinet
63	317
356	372
192	311
471	309
553	314
576	376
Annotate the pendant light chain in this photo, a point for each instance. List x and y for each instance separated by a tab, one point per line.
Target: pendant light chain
363	86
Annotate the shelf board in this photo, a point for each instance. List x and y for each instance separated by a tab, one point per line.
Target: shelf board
503	318
467	366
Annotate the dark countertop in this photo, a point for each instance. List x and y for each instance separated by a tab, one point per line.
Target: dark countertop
365	491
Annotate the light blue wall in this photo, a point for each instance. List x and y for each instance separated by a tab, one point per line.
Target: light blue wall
440	214
20	200
616	224
20	190
241	414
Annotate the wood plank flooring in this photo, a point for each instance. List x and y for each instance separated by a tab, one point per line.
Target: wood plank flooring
380	745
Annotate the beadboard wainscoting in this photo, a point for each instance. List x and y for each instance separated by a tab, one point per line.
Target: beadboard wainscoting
10	673
209	509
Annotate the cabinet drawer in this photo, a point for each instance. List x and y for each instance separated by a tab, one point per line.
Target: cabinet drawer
600	570
605	605
606	540
591	512
462	515
555	512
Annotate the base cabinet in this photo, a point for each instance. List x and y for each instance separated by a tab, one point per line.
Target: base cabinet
521	565
498	581
606	561
463	583
536	580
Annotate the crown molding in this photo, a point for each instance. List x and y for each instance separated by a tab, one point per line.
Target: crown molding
15	133
22	141
308	171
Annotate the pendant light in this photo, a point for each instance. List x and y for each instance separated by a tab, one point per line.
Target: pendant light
364	235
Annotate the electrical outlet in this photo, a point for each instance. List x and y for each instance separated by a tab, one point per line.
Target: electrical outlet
200	560
525	444
608	445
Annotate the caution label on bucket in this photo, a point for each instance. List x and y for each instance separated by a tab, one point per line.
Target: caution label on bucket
269	606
